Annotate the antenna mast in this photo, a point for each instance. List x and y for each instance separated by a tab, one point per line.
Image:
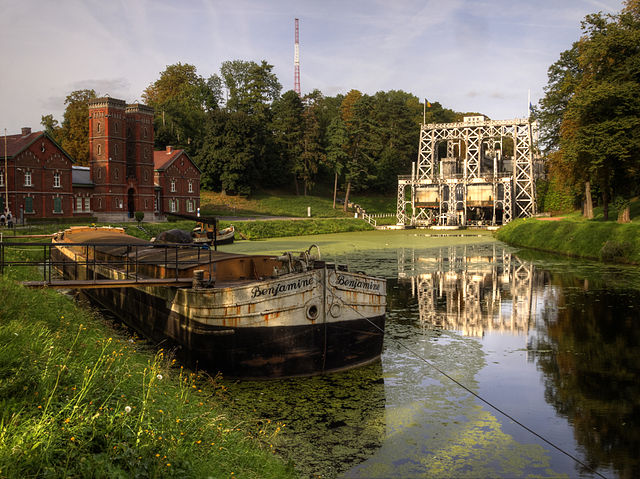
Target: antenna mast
296	64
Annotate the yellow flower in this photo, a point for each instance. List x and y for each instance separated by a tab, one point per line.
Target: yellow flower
73	438
168	464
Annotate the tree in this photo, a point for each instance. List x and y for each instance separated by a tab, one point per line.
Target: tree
252	87
287	126
74	131
181	99
591	107
51	126
338	143
312	150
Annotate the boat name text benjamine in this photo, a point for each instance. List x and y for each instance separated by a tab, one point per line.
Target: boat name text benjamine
280	288
357	283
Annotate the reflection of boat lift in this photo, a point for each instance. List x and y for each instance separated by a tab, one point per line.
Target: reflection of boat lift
465	293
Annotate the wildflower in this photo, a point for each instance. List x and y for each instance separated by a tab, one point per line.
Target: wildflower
159	376
157	455
73	438
198	441
168	464
127	409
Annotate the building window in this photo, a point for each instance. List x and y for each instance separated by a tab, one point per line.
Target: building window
56	180
27	178
78	204
99	149
146	175
98	127
116	126
99	203
173	206
99	173
173	186
1	178
87	204
145	131
115	150
57	205
190	186
155	203
190	206
28	204
115	174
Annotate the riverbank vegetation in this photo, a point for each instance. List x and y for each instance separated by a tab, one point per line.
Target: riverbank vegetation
82	399
599	240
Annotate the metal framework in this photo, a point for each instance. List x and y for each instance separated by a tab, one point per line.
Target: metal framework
296	63
476	183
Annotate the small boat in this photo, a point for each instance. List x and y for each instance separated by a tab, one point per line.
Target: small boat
250	316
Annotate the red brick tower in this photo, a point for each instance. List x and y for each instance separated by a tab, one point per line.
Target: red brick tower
140	186
107	151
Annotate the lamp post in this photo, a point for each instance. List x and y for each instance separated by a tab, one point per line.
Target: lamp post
6	174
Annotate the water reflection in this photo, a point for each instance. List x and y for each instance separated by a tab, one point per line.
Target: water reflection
554	342
473	290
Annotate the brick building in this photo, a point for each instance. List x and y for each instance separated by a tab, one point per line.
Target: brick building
125	174
35	176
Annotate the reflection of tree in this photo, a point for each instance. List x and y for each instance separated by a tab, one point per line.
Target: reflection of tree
592	374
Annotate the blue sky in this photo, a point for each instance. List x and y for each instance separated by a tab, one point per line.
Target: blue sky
481	55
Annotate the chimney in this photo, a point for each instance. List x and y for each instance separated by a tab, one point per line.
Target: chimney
26	130
169	149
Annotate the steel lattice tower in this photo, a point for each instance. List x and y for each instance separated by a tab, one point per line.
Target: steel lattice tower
296	63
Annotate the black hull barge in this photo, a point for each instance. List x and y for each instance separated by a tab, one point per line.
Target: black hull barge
249	316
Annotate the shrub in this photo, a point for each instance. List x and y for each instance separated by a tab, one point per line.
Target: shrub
139	215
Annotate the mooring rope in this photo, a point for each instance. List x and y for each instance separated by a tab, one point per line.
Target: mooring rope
487	402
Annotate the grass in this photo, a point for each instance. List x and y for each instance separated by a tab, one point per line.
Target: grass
285	204
80	399
600	240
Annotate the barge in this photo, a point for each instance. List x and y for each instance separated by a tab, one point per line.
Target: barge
248	316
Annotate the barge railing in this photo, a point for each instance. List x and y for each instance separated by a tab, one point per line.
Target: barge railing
128	264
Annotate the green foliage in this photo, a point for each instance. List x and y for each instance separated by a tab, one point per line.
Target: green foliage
139	215
82	400
591	109
181	99
252	87
254	230
553	196
73	134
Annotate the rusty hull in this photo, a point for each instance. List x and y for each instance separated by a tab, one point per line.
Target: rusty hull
248	324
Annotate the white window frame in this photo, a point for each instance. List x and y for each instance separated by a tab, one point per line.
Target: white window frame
56	180
190	186
1	177
87	203
27	179
78	204
173	186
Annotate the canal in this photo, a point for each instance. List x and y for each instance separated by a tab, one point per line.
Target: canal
552	342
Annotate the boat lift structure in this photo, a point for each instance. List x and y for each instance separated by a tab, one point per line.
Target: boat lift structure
474	172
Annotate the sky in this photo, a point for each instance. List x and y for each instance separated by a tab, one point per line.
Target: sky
469	55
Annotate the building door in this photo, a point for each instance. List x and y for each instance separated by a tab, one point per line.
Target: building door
131	202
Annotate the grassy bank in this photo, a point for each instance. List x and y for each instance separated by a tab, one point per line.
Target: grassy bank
600	240
80	399
286	204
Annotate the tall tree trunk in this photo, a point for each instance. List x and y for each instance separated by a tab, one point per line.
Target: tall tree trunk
605	204
335	189
295	181
624	215
588	201
346	196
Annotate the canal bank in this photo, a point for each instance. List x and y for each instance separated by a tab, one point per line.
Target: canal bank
597	240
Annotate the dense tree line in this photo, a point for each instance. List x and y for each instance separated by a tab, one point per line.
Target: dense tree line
590	115
244	133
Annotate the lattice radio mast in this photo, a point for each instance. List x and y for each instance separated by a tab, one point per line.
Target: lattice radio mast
296	64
